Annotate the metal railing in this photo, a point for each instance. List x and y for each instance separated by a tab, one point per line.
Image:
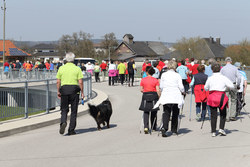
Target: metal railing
23	75
24	98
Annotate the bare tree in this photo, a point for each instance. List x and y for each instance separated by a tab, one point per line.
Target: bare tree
191	47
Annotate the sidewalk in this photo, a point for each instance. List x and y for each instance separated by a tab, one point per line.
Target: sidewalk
12	127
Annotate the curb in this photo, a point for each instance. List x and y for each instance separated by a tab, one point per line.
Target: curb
38	121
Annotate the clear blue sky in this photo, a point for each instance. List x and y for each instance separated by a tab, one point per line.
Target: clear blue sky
144	19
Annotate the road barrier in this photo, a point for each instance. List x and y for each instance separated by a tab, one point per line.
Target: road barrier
28	97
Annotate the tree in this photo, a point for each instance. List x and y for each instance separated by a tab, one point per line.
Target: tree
240	52
191	47
109	42
79	43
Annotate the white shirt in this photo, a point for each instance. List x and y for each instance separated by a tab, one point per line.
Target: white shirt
89	66
242	83
172	87
112	67
218	82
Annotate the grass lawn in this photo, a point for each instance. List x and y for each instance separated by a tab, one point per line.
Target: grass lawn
8	113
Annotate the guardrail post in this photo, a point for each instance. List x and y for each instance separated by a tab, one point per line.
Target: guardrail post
47	97
90	86
26	107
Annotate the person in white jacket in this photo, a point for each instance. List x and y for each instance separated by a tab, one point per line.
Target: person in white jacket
171	97
217	84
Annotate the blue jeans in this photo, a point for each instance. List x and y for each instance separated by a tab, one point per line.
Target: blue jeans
198	109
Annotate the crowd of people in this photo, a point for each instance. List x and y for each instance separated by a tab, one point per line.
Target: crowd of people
14	67
167	83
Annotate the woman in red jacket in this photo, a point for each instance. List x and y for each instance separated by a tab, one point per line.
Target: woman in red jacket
200	94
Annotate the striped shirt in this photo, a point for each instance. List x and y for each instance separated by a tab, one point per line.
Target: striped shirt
232	73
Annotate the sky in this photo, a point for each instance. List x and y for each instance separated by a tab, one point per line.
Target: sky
146	20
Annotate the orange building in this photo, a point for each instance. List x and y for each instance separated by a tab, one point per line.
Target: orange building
12	52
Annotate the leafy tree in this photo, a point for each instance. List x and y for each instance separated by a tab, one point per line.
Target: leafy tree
240	52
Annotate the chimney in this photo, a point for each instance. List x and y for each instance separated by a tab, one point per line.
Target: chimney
218	41
211	40
128	38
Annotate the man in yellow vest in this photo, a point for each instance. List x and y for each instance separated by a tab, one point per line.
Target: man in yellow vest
69	84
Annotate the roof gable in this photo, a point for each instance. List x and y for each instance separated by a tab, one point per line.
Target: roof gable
11	49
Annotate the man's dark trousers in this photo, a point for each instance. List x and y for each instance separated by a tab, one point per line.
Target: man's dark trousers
72	99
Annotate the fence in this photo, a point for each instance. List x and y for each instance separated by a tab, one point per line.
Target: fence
25	98
22	75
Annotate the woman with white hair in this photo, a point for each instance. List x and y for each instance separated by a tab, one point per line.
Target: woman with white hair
171	97
90	68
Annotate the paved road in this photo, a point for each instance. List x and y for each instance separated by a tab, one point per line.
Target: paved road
122	145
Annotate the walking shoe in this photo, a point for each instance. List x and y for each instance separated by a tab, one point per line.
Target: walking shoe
71	133
198	117
146	130
233	119
164	133
222	132
62	128
213	134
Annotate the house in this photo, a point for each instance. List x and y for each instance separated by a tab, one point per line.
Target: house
98	47
12	52
214	49
206	48
46	51
139	50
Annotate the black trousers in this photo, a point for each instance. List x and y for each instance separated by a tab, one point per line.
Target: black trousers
223	114
168	108
153	119
185	84
239	103
131	76
113	80
97	77
122	77
72	99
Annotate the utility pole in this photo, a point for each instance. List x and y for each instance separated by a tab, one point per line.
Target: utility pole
4	10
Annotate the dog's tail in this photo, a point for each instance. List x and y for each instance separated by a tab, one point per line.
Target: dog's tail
93	111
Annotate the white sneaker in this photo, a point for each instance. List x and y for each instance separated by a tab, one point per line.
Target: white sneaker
222	132
213	134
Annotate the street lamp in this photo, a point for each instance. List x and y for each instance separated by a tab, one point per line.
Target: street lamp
4	10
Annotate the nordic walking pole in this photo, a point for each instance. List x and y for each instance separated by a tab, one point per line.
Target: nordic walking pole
204	118
190	105
180	116
141	123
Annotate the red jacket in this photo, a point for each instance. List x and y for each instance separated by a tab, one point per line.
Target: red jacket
194	69
214	99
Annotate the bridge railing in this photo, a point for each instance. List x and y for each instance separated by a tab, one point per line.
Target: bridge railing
24	98
23	75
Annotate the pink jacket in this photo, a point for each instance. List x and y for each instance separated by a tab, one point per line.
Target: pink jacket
214	99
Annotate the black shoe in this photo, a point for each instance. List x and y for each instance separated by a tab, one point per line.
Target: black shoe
164	133
71	133
62	128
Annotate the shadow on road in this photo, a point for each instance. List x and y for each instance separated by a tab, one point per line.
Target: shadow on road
87	130
184	131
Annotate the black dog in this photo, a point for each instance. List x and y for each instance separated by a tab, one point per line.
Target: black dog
101	113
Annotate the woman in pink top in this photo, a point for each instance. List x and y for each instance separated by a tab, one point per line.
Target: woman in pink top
151	92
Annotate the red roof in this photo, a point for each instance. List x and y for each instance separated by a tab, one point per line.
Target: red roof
11	49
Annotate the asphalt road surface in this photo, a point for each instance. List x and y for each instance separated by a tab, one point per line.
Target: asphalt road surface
122	145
